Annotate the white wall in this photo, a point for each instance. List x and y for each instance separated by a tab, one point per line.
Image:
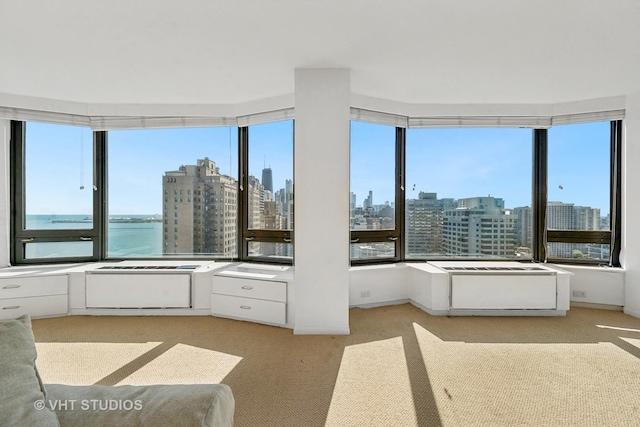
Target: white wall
321	181
378	285
601	285
5	208
630	256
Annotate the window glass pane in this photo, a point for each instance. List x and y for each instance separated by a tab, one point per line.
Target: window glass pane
281	251
579	178
58	177
468	193
590	251
374	250
58	249
173	192
270	195
373	176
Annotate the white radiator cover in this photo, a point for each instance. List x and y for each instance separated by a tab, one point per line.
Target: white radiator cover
501	286
503	291
138	290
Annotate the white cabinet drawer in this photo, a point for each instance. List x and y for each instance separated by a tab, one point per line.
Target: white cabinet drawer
249	309
18	287
52	305
249	288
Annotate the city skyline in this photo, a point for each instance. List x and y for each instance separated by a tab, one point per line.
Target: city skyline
136	157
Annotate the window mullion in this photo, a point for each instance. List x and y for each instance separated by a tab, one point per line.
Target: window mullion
539	197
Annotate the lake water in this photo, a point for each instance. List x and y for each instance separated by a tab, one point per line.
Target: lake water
126	237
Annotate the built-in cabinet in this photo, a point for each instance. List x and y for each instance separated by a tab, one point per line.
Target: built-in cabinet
41	296
251	292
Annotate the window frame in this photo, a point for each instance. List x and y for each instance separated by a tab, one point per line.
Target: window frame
541	236
396	234
246	234
612	237
21	236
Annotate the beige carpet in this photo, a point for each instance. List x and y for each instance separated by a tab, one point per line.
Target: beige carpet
399	367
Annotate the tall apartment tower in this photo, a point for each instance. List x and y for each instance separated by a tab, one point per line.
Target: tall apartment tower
524	230
424	218
200	211
479	226
567	216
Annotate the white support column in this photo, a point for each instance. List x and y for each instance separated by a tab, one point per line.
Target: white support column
5	203
630	256
321	152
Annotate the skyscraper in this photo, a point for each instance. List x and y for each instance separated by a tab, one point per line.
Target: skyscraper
424	221
479	226
267	179
199	207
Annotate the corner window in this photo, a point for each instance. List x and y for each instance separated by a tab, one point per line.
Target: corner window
580	192
374	196
267	192
54	193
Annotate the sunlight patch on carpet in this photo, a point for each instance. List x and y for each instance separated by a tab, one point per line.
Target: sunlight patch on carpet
85	363
184	364
373	386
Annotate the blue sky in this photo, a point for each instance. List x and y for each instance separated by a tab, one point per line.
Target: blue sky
455	163
460	163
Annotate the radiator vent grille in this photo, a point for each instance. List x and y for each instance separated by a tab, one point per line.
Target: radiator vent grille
149	267
494	269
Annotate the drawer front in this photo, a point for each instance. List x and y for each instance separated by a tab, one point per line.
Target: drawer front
54	305
240	287
18	287
249	309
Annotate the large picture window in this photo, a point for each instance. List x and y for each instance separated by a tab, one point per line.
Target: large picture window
172	193
468	193
547	191
80	195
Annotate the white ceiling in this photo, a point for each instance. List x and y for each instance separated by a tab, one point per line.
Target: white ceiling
236	51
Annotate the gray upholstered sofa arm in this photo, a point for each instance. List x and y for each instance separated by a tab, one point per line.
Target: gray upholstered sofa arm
154	405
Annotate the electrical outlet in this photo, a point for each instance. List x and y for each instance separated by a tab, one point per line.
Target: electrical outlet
579	294
365	294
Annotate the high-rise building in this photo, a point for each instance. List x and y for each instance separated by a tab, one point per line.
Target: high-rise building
523	230
423	221
567	216
368	202
479	226
267	179
200	213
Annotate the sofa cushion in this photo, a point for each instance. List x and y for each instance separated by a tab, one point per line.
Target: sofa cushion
22	396
193	405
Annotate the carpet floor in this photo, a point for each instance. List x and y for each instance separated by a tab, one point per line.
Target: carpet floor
399	367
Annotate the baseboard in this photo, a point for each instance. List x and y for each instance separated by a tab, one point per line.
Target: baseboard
140	312
596	305
321	331
381	303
